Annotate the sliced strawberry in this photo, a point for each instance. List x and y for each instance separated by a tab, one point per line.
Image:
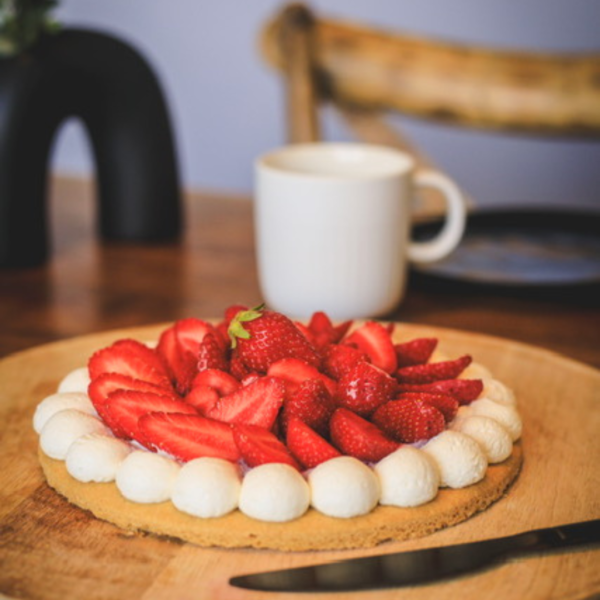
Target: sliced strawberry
169	352
101	387
356	437
190	333
212	354
446	369
464	390
364	388
307	445
307	333
131	358
250	378
187	436
324	331
203	398
446	404
188	369
409	420
374	340
415	352
255	404
258	446
294	371
221	381
338	359
310	403
125	407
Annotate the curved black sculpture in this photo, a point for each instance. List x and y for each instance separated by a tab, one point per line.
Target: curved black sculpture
111	88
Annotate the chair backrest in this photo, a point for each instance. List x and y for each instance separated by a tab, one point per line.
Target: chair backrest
365	73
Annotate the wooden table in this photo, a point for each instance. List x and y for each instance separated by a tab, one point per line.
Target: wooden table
88	287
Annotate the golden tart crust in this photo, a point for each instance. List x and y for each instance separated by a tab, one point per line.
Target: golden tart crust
312	531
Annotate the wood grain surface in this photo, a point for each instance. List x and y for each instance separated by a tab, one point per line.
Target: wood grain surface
90	285
50	549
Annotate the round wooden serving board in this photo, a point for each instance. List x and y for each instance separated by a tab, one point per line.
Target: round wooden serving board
51	549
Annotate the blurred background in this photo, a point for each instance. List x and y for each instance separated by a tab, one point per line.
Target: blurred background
227	105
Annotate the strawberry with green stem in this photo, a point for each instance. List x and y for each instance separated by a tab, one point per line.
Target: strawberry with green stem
261	337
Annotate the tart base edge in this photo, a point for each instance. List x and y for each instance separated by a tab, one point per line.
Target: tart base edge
312	531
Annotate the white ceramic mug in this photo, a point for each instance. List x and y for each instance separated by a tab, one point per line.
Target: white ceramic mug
333	223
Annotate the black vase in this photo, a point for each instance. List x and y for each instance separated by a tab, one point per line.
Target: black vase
110	87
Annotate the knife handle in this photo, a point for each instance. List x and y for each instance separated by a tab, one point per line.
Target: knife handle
563	536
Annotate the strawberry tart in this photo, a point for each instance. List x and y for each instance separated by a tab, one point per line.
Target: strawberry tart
257	431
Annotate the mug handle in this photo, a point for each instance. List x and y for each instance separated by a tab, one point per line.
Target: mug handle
456	214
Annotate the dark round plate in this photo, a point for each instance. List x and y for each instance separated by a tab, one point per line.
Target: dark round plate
521	248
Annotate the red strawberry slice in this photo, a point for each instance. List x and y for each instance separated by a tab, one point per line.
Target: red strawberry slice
356	437
294	371
255	404
446	369
364	388
464	390
310	403
188	436
324	331
222	382
131	358
374	340
203	398
409	421
262	337
415	352
125	407
190	333
307	333
169	352
446	404
338	359
212	354
101	387
307	445
258	446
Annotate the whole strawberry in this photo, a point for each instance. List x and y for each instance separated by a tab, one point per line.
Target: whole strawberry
261	337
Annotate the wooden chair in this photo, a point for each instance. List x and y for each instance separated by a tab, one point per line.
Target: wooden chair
366	73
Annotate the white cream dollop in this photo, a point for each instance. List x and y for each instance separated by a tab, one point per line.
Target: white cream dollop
54	403
492	437
207	487
274	492
506	414
498	392
344	487
408	477
459	458
77	380
66	426
147	477
96	457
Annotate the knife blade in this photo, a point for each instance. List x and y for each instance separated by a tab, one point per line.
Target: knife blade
420	566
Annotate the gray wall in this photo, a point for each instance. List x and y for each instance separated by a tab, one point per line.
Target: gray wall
226	105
